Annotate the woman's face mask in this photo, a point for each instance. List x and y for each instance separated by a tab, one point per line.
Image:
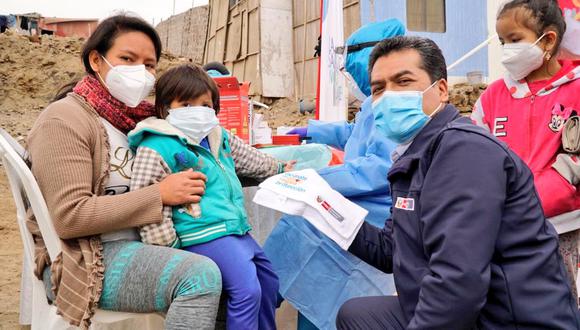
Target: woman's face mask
130	84
399	114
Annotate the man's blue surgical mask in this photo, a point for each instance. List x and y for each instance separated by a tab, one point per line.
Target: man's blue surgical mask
399	114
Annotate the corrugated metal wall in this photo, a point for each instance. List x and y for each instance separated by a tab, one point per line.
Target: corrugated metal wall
276	52
234	39
306	29
306	26
184	34
256	47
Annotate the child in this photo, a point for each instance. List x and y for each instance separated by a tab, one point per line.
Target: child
529	107
187	137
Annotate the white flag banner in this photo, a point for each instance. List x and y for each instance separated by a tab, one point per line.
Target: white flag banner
333	94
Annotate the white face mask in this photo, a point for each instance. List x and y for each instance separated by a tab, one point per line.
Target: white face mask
130	84
521	58
195	122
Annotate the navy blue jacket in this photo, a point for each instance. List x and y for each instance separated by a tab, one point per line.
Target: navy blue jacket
468	243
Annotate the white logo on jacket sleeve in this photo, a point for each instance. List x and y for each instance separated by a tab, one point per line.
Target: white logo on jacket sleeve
407	204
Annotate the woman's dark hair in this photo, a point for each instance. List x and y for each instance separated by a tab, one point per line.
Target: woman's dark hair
104	36
182	83
539	16
432	60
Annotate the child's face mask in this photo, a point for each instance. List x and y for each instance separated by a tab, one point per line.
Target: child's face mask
196	122
522	58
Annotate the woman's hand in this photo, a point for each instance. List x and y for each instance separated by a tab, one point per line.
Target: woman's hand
182	188
289	165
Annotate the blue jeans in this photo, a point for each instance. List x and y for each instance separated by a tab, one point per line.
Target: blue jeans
248	280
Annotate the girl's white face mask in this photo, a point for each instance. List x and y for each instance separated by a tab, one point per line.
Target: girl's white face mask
130	84
522	58
195	122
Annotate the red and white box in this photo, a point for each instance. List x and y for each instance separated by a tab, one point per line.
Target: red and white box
234	106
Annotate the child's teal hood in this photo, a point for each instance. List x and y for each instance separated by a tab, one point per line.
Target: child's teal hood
156	126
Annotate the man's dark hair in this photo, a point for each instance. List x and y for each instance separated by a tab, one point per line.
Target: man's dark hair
432	60
182	83
538	16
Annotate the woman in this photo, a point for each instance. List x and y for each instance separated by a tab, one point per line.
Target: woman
80	157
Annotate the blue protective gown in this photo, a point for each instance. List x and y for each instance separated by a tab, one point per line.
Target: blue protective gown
367	160
316	276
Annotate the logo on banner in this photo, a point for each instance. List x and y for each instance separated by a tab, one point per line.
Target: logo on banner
407	204
329	209
291	181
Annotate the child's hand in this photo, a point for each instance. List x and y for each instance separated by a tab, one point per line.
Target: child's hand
182	188
289	165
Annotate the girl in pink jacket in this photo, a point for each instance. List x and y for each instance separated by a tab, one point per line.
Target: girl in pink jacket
529	107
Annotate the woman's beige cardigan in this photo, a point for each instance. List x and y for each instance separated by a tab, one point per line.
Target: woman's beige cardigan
69	153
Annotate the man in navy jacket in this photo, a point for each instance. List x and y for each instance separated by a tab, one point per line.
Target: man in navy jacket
467	241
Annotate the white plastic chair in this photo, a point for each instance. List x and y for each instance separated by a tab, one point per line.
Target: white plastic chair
38	312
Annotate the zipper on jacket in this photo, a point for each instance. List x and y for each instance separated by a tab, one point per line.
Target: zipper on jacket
230	186
530	128
223	170
231	189
192	149
240	215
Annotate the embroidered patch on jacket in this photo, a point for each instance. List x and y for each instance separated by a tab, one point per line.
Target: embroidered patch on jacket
560	116
184	162
407	204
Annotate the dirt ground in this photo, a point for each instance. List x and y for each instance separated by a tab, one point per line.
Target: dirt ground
32	72
10	258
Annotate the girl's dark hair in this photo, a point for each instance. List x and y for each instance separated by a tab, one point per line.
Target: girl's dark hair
182	83
105	35
542	15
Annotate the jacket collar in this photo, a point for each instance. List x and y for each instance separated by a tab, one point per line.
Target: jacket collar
423	140
157	126
520	89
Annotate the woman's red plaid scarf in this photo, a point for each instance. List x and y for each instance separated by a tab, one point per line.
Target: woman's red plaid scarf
114	111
